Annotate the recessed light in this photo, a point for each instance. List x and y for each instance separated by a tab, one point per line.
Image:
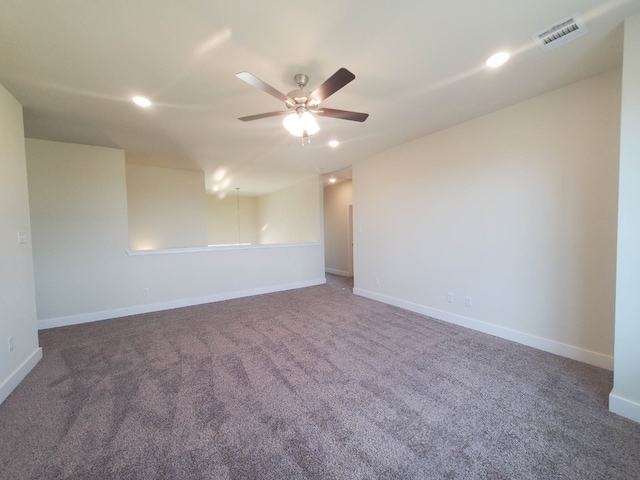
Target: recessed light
332	180
141	101
334	143
497	59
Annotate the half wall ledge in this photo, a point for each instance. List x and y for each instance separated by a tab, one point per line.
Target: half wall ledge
218	248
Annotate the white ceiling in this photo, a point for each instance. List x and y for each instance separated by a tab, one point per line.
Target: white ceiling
75	64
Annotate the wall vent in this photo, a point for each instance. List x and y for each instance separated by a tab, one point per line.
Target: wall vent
561	33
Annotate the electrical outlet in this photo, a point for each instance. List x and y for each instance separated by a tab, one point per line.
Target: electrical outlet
10	344
377	282
450	297
22	237
145	292
468	301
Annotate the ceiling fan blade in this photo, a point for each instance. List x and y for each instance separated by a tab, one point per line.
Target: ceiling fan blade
256	82
261	115
343	114
334	83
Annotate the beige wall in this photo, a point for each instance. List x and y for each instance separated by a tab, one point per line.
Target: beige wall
79	219
291	215
83	272
167	208
516	209
222	220
625	397
17	299
337	199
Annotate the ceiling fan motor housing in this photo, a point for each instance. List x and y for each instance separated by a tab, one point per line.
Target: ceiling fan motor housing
298	98
301	80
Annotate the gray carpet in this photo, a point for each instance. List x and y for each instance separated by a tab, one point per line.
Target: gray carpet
315	383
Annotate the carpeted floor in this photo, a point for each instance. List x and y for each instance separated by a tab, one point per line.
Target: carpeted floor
313	383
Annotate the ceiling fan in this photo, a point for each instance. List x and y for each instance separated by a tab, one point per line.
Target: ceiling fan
302	104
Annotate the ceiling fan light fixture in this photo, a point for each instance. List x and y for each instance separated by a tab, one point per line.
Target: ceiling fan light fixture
309	123
297	124
293	124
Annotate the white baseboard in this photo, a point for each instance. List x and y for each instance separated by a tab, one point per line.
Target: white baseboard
183	302
624	407
342	273
551	346
19	373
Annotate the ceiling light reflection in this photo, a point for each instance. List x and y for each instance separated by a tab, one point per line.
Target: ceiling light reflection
219	174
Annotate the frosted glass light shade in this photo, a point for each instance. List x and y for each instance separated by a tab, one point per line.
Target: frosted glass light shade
293	124
297	124
309	123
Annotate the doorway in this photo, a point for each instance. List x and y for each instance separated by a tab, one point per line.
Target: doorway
338	223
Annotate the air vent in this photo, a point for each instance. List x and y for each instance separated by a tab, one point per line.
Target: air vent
561	33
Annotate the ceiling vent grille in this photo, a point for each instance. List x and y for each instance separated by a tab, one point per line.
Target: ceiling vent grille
561	33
